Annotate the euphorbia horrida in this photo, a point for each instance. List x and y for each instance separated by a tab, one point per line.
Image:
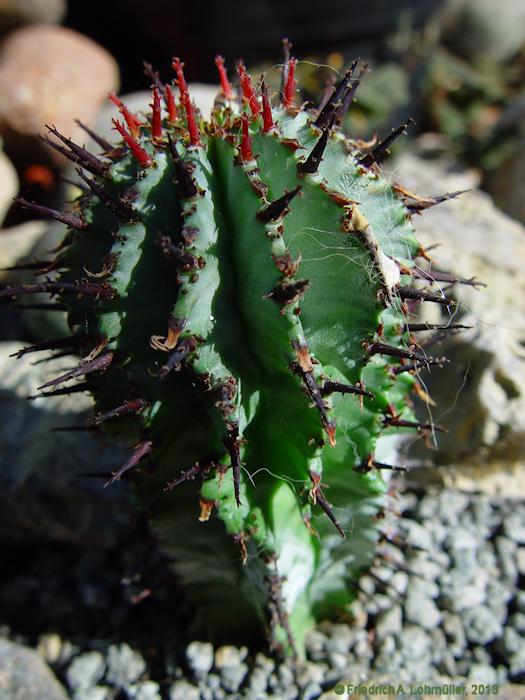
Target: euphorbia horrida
239	289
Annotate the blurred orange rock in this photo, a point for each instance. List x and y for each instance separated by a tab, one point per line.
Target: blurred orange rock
52	75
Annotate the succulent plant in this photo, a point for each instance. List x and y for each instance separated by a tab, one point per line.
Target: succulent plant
239	290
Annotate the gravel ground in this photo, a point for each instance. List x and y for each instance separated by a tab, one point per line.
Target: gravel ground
443	601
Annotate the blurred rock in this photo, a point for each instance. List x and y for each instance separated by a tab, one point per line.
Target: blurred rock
479	394
479	28
24	676
16	245
52	75
9	188
505	182
42	491
17	12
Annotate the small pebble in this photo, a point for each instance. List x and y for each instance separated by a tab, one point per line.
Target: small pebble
517	621
399	582
98	692
199	656
389	622
480	625
482	674
341	639
506	550
125	665
50	647
148	690
517	662
183	690
514	525
86	670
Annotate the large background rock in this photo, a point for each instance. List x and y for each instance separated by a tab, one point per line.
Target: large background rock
52	75
24	676
43	494
480	395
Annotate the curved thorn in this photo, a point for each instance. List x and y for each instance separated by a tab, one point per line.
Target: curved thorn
382	148
140	451
64	217
278	208
99	364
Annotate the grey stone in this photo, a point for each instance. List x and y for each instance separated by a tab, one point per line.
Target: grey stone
49	647
514	526
24	676
233	676
416	534
461	538
437	530
482	674
459	594
451	504
124	665
453	628
389	622
480	625
414	642
429	507
86	670
421	564
199	656
267	664
447	665
379	602
506	550
367	585
147	690
499	592
388	646
438	645
483	513
309	673
258	681
465	561
487	559
311	691
183	690
421	609
363	649
520	560
440	557
510	642
481	655
383	572
229	656
517	662
408	501
97	692
316	643
517	621
399	582
520	601
286	676
341	638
